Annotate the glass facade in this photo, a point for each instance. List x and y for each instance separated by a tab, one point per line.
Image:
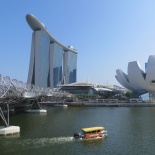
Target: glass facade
42	60
48	67
57	64
39	61
78	90
71	67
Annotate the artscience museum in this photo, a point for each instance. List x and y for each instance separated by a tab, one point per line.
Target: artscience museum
137	80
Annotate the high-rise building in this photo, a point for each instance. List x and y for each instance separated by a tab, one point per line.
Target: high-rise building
51	63
69	67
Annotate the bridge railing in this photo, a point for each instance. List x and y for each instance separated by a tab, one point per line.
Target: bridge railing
107	100
14	88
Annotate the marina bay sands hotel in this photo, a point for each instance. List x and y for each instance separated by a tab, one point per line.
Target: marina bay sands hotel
51	63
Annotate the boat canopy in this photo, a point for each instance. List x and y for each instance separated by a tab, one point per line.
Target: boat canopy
92	129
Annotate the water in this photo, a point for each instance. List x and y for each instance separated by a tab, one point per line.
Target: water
131	131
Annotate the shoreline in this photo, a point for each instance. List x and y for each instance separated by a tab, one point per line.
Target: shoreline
87	104
112	104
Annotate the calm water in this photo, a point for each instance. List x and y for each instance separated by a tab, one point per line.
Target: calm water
131	131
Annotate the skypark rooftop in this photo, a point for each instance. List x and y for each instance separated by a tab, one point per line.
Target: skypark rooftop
35	25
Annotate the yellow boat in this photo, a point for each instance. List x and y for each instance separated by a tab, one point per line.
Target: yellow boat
91	132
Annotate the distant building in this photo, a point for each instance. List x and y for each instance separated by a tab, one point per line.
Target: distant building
81	88
137	80
51	63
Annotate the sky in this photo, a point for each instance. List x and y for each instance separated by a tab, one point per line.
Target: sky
106	33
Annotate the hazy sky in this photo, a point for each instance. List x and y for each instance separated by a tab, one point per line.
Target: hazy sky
107	34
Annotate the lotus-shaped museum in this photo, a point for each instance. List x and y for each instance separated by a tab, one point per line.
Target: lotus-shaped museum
136	79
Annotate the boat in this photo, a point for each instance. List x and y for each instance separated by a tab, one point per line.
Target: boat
90	133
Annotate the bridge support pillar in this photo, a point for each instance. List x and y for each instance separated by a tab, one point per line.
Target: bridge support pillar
7	129
36	108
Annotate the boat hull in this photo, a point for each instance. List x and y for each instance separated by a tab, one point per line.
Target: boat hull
95	136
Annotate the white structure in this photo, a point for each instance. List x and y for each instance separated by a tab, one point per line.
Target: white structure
9	130
36	111
138	80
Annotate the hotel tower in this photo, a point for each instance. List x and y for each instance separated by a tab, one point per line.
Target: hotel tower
51	63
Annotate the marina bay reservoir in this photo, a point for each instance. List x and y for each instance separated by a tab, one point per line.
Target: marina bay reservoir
130	131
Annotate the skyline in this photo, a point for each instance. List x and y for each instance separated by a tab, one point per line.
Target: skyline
107	35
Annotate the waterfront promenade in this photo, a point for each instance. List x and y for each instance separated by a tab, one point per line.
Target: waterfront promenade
103	104
84	104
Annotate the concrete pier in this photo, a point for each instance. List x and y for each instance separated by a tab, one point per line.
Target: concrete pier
36	111
61	105
10	130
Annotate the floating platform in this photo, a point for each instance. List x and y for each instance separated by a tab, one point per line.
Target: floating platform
37	111
10	130
60	105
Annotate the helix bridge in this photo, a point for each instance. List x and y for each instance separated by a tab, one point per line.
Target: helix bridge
14	92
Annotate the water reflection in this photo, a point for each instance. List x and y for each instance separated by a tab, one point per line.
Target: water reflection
92	142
